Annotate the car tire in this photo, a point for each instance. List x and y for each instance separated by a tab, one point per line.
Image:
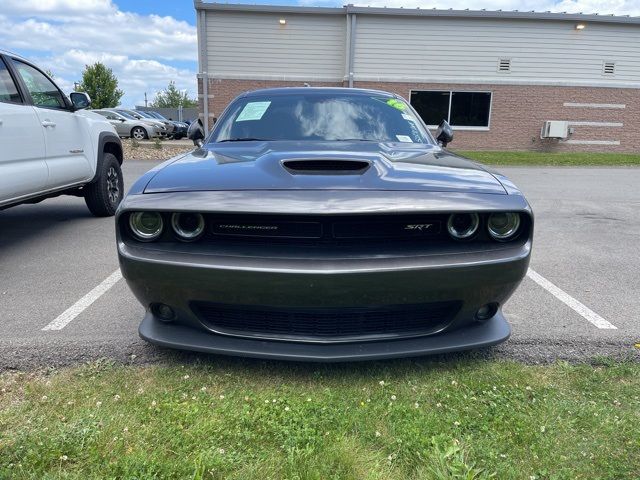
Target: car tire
139	133
104	195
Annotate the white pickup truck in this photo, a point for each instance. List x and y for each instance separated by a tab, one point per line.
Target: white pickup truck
50	145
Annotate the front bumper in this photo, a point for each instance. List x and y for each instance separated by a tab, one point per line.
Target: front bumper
178	279
492	332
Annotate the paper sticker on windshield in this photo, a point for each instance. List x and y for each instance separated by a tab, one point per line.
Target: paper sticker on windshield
397	104
404	138
253	111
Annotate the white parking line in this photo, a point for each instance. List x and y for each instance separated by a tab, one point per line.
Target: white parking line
571	302
77	308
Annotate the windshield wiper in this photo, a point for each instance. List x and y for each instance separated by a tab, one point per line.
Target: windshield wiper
244	139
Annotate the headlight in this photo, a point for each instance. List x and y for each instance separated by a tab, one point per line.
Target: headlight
463	225
503	226
146	226
188	226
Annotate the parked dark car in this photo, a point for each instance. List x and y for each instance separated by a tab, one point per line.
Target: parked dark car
179	130
323	224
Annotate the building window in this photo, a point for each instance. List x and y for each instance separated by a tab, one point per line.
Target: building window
460	109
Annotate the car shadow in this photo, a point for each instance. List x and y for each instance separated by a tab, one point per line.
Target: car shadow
27	222
314	371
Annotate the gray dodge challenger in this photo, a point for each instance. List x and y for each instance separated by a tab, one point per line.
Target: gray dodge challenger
323	224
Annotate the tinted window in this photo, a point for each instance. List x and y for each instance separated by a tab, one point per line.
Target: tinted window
130	114
470	109
8	89
126	115
433	107
43	91
109	115
321	116
460	109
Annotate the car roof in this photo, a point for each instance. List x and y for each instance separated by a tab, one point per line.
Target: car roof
317	90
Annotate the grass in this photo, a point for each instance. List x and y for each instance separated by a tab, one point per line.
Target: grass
241	419
559	159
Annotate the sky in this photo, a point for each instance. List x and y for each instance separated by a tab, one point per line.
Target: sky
147	43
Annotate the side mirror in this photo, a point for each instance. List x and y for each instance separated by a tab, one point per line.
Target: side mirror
80	100
196	132
122	120
444	133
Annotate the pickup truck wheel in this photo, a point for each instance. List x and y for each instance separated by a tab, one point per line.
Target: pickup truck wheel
139	133
104	195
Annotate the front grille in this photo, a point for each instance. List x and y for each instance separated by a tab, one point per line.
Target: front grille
327	324
327	229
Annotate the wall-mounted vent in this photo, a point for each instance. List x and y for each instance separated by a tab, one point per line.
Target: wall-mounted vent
609	68
504	65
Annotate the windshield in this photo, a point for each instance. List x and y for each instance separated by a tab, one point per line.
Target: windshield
127	115
157	115
320	116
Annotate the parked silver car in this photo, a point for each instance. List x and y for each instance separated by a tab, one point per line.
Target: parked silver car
129	126
162	128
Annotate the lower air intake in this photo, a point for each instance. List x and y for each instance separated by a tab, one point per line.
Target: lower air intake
324	325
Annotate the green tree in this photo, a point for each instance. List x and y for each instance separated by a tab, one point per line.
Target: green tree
102	86
171	97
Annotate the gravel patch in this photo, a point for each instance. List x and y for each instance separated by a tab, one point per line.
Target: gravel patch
152	150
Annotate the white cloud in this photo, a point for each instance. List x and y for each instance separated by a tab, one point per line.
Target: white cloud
135	76
56	7
66	35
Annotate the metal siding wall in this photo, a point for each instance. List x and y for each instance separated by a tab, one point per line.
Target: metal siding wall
396	48
256	45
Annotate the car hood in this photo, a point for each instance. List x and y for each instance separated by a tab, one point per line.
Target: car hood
258	165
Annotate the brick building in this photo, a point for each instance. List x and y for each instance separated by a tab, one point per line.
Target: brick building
497	77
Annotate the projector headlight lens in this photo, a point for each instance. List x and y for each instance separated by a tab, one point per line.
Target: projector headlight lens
463	225
146	226
503	226
188	226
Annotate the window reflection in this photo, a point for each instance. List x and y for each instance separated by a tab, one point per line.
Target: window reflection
320	116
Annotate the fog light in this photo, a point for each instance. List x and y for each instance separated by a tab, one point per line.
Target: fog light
163	312
503	226
146	226
486	311
463	225
188	226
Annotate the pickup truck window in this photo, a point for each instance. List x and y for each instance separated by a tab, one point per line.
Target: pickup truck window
43	91
8	90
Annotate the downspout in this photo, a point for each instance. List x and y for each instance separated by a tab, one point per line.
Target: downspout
204	69
352	45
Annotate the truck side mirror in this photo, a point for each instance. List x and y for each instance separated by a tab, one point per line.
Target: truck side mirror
444	133
196	132
80	100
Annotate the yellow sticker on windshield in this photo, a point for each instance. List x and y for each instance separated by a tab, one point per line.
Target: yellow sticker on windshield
396	104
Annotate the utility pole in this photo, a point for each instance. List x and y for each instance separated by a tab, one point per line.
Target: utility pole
75	86
145	99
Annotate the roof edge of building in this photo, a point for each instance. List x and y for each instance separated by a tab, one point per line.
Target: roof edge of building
418	12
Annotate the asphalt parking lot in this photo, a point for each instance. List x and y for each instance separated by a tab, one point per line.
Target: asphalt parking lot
63	301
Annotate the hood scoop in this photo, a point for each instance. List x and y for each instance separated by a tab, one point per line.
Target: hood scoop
326	167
